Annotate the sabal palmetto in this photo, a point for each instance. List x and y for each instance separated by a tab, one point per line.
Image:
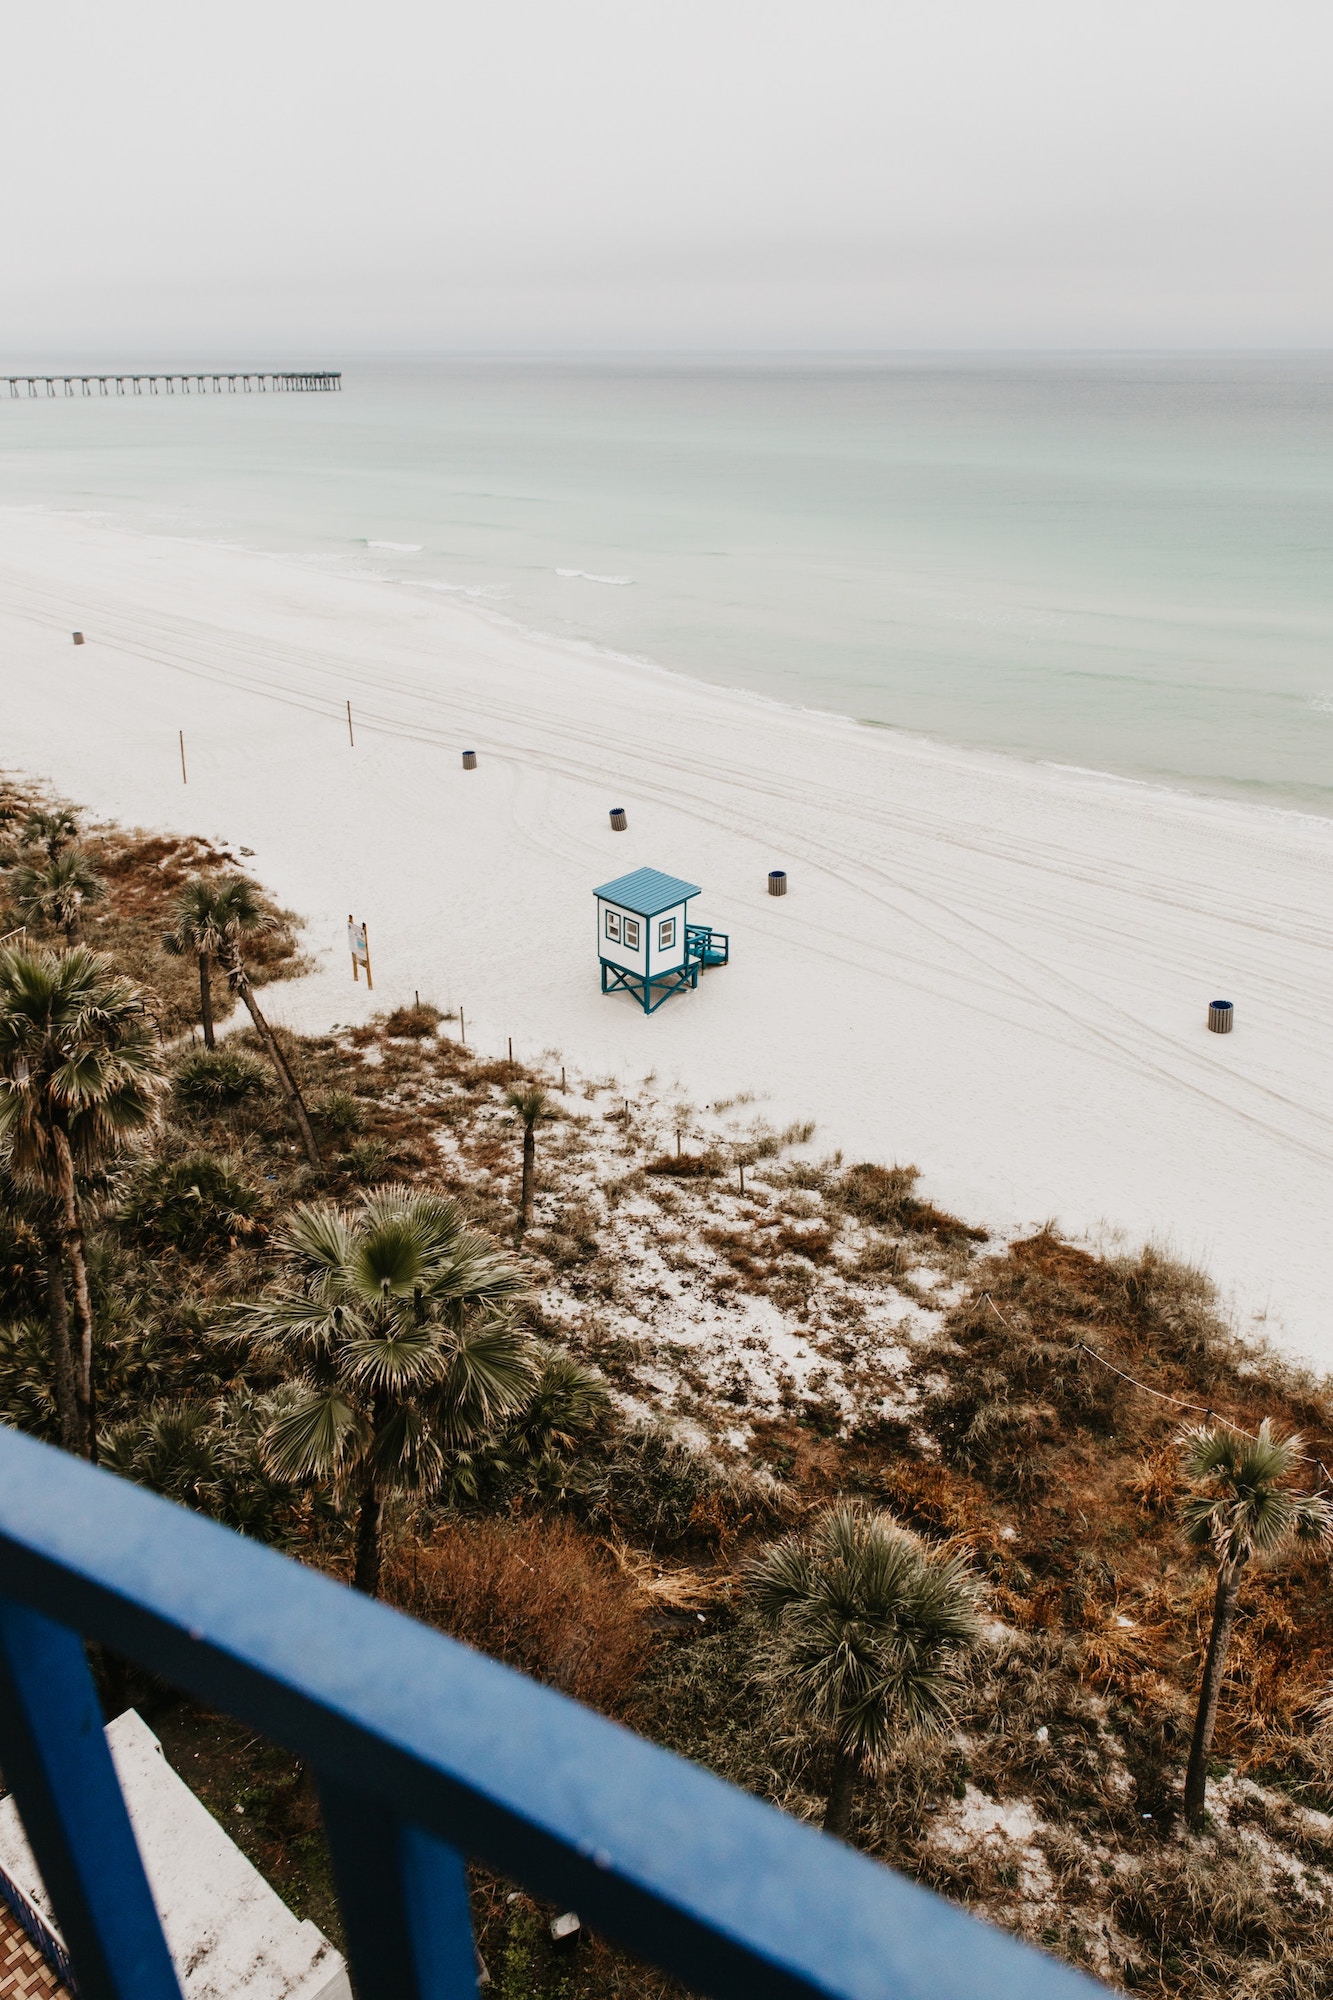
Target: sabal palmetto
213	920
80	1076
869	1630
395	1321
530	1105
52	829
1243	1507
55	891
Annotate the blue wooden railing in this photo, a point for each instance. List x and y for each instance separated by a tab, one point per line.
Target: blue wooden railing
425	1752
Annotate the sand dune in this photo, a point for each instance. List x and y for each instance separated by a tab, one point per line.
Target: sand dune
1000	971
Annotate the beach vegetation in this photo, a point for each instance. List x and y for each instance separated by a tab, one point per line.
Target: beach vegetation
215	919
52	893
1242	1506
531	1104
396	1324
197	1202
80	1078
868	1631
212	1081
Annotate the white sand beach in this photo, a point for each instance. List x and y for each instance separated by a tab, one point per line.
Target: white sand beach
999	971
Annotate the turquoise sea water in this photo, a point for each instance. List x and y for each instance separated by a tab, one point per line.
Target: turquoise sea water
1117	562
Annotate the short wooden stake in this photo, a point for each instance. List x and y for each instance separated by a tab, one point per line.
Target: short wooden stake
511	1048
462	1025
416	997
562	1076
350	738
741	1165
184	779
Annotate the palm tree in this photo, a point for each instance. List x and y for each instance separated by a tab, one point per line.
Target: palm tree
529	1103
194	931
52	831
212	920
396	1323
55	891
869	1629
1245	1509
80	1075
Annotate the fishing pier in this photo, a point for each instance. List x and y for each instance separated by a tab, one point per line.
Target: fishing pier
241	382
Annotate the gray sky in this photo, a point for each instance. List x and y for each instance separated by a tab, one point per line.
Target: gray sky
277	176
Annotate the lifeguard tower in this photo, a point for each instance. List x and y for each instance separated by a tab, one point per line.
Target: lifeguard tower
645	943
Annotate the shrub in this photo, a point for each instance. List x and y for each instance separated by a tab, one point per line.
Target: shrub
417	1022
196	1203
886	1198
661	1491
539	1594
368	1160
340	1111
688	1166
213	1080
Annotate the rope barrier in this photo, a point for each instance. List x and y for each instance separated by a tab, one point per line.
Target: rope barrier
1178	1402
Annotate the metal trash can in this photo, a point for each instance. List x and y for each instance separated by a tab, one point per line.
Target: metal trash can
1220	1016
618	819
777	881
469	760
78	638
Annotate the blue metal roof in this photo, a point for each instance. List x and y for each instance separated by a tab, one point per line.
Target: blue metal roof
647	891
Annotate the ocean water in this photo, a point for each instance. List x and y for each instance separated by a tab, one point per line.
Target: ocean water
1118	562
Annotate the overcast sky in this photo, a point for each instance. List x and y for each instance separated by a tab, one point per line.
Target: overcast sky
281	177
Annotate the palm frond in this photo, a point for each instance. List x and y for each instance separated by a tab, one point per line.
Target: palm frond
322	1436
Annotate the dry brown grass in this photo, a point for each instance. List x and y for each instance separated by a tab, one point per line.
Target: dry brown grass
543	1595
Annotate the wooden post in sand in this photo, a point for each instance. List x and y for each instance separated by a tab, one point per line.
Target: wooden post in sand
462	1025
350	738
511	1048
181	734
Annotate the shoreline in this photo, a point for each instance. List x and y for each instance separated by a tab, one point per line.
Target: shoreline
484	602
993	968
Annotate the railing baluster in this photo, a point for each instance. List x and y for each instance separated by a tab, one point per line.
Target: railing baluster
56	1759
403	1895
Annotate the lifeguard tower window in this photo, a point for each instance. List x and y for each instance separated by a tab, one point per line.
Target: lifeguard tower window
613	926
631	933
666	934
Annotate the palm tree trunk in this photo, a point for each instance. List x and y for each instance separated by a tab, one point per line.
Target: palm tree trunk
72	1234
838	1811
366	1575
62	1360
240	982
1214	1666
206	1001
529	1164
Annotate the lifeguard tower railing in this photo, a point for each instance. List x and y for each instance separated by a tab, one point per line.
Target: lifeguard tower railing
424	1752
704	946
